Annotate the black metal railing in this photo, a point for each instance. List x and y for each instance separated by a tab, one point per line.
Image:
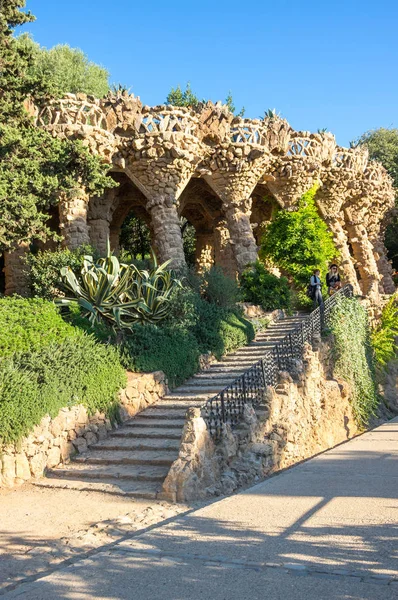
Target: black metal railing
251	387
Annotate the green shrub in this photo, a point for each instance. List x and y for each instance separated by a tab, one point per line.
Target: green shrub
151	348
354	356
45	269
384	334
219	330
76	371
29	324
220	289
261	287
299	241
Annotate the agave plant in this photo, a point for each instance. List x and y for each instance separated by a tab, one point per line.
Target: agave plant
119	293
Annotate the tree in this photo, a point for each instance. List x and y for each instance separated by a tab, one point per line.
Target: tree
35	168
65	69
383	146
135	237
177	97
299	242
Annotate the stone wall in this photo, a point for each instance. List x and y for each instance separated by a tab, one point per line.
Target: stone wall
56	439
307	413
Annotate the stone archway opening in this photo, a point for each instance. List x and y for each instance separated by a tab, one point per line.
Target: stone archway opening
200	210
264	208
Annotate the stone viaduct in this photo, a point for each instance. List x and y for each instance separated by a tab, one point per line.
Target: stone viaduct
227	175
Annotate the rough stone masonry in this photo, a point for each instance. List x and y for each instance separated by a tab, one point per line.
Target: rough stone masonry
225	174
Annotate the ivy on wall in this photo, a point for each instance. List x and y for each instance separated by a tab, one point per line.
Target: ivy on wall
354	356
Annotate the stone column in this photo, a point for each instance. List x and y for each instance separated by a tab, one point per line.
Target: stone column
384	266
241	234
165	224
346	263
363	254
16	271
223	253
99	233
73	221
204	250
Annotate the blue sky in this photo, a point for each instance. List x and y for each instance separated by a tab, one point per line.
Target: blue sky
320	64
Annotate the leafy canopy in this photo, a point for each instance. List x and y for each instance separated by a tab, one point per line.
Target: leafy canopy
35	168
299	242
65	69
178	97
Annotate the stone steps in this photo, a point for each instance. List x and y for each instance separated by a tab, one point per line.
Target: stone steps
128	457
135	459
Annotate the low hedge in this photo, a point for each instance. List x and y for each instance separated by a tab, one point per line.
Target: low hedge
28	324
46	364
151	348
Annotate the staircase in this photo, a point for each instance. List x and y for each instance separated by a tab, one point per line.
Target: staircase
135	459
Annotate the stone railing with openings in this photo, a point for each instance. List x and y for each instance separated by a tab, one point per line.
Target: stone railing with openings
311	145
251	387
352	159
71	110
163	120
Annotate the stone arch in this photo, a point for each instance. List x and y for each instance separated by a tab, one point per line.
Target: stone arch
203	209
264	207
107	213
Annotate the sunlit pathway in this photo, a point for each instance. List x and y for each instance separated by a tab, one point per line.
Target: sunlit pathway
326	529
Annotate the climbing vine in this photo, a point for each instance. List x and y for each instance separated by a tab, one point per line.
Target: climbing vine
384	334
354	357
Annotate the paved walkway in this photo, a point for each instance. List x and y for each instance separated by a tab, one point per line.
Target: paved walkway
323	530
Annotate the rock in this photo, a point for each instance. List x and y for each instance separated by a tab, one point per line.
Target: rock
22	469
53	457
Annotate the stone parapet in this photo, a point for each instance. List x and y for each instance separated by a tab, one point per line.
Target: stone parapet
55	440
308	412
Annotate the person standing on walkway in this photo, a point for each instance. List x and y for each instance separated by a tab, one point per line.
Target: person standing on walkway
333	281
316	286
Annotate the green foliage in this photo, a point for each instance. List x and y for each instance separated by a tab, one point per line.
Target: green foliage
261	287
177	97
299	242
354	356
65	69
45	267
46	364
188	232
29	325
118	293
135	237
218	288
171	350
76	371
35	168
383	336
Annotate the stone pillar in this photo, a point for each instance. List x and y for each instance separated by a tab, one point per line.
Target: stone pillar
204	250
99	233
363	254
165	224
242	239
16	271
223	253
346	263
73	221
384	266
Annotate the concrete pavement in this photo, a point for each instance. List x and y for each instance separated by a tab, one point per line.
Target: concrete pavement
325	529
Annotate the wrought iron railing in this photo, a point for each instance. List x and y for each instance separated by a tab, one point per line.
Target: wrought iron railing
251	387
